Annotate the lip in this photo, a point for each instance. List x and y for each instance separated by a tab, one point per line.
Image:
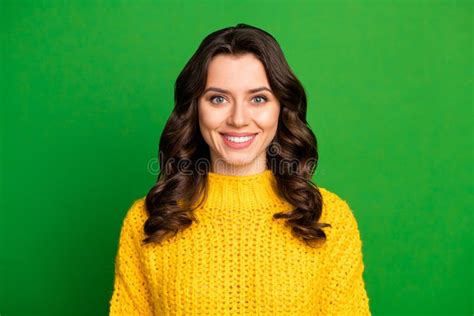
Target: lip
238	134
238	145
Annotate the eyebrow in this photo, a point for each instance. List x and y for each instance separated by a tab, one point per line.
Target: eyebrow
228	92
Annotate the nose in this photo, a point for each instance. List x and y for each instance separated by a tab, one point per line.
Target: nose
239	115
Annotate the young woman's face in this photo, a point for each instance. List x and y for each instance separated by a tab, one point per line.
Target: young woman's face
238	102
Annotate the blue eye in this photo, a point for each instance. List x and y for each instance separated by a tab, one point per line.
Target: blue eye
216	97
261	97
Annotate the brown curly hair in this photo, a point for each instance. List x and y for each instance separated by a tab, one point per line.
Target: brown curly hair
184	155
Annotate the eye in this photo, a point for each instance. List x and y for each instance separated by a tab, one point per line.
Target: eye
218	97
261	97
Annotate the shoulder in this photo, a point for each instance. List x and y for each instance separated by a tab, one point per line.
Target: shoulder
135	216
337	212
137	209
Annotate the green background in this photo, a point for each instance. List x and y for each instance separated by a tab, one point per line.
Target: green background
87	87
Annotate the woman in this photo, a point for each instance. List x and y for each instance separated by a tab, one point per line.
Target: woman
234	224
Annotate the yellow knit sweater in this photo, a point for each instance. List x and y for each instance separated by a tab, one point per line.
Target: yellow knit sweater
238	260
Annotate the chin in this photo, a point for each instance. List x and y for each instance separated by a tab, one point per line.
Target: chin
238	161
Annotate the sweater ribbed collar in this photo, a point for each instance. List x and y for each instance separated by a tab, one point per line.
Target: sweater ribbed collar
253	193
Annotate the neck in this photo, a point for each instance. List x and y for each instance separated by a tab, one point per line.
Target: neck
240	194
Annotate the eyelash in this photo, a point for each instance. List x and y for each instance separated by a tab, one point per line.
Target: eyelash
257	96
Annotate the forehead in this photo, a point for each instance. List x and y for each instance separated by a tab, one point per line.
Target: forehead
236	72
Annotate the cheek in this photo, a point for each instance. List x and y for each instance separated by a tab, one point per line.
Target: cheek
268	120
208	120
202	114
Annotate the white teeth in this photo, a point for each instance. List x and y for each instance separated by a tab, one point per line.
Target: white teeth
239	139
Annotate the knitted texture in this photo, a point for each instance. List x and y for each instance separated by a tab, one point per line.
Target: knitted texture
239	260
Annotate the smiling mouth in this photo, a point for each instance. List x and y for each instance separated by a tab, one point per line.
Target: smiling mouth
238	142
239	139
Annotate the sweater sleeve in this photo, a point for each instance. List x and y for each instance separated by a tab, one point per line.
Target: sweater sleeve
131	295
345	292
